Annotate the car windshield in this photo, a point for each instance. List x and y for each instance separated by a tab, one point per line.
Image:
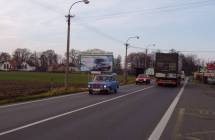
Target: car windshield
142	76
102	78
99	60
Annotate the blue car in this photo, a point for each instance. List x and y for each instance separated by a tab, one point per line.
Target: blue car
103	84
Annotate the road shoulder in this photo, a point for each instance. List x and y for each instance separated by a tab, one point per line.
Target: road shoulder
194	116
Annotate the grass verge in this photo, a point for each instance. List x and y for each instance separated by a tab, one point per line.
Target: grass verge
51	93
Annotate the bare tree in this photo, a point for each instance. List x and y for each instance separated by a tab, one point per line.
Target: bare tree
52	57
172	51
190	63
47	58
21	55
74	57
117	64
137	61
34	59
4	56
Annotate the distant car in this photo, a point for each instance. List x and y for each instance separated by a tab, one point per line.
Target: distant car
103	84
101	65
182	75
143	79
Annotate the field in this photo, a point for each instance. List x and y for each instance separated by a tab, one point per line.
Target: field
15	84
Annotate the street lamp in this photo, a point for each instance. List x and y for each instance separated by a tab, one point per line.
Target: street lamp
69	16
126	58
153	45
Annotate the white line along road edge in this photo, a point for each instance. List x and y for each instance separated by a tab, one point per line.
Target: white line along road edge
40	100
46	99
70	112
157	132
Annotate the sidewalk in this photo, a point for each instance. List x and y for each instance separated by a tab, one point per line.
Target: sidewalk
194	116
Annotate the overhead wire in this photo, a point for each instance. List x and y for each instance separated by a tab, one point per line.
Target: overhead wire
105	35
163	50
153	10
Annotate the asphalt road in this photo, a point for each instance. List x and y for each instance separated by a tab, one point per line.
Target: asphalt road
131	114
194	115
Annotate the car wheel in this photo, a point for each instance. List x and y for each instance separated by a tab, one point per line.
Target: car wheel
90	93
115	90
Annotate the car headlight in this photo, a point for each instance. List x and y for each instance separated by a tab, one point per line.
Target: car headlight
105	86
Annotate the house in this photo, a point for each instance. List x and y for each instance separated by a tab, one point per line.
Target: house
26	67
5	66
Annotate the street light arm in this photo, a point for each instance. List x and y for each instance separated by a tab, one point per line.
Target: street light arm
74	4
137	37
153	45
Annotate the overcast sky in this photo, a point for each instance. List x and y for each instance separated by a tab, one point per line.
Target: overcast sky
38	25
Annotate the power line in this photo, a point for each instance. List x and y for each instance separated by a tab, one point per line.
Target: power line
91	28
46	6
169	8
200	51
99	32
182	51
154	10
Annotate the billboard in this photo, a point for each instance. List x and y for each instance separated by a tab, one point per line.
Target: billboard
97	62
210	67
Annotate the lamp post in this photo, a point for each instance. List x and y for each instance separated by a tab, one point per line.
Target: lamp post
69	16
146	53
126	58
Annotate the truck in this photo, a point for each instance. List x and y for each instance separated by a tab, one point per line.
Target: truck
168	68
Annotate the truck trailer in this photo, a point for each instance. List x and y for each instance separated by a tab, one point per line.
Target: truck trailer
168	69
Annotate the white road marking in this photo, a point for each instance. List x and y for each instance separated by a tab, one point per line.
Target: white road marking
157	132
40	100
70	112
46	99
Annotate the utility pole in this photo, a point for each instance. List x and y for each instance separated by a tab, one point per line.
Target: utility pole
67	50
126	58
126	63
146	53
35	59
69	16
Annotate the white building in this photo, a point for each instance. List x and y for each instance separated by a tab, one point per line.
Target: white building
5	66
26	67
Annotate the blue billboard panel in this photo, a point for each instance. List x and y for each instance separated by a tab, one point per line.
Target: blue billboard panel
97	62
